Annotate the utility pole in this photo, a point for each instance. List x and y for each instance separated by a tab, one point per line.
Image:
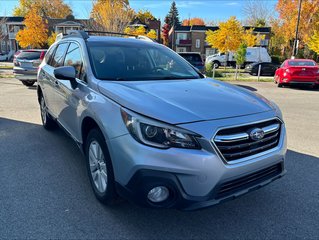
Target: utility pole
296	42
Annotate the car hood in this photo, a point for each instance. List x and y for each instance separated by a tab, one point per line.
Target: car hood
182	101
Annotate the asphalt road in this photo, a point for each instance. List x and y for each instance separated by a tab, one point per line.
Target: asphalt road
45	192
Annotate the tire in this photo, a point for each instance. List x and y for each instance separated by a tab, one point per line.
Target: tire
99	167
28	83
47	121
216	64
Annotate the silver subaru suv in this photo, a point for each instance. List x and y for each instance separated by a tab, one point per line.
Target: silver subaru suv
153	129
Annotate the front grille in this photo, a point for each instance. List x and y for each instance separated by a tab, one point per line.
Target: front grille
247	181
236	143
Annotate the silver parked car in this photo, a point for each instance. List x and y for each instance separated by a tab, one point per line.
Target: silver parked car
153	129
26	65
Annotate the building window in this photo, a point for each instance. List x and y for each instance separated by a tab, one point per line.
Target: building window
181	49
210	51
197	43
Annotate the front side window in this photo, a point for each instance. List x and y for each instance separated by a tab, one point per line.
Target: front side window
57	60
138	62
73	58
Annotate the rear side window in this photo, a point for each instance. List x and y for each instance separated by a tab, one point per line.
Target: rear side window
57	60
29	55
73	58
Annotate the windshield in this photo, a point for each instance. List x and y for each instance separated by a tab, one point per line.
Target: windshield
119	61
29	55
301	63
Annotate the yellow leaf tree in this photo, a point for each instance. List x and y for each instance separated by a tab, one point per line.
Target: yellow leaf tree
228	37
45	8
140	31
313	43
152	34
52	38
250	39
35	33
285	26
112	15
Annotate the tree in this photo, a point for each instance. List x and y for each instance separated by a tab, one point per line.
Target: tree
193	21
112	15
165	31
258	13
228	37
35	33
240	57
250	39
52	38
140	31
152	34
144	16
45	8
313	43
286	24
172	18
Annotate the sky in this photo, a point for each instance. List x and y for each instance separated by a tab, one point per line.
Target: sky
209	10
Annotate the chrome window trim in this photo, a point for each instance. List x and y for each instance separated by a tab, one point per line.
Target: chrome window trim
245	159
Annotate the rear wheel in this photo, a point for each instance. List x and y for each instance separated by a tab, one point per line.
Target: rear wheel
99	166
47	120
28	83
216	64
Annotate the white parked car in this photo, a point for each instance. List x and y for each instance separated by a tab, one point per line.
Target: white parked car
4	57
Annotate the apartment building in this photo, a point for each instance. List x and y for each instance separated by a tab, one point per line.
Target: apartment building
192	38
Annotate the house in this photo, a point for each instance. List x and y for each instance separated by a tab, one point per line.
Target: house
193	38
9	28
12	25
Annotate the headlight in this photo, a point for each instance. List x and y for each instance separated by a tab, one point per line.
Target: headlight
157	134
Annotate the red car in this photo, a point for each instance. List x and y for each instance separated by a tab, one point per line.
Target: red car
297	71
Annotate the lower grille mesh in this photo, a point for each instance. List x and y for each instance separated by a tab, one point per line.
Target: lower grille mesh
236	185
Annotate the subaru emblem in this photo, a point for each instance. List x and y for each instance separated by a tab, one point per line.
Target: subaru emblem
256	134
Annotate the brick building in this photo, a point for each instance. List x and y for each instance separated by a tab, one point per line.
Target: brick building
192	38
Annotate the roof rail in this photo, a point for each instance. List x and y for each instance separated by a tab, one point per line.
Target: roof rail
86	34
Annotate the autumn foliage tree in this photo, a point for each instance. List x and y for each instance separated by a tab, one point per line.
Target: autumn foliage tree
140	31
35	33
112	15
193	21
313	42
45	8
228	37
286	23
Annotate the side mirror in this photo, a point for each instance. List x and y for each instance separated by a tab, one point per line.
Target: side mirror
65	73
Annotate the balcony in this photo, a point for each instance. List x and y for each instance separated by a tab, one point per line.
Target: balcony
183	42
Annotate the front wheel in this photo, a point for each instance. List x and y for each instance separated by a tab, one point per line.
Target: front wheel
28	83
99	166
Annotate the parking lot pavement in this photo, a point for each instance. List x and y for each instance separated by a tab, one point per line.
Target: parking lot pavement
45	192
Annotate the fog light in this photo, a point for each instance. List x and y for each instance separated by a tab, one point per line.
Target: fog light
285	79
158	194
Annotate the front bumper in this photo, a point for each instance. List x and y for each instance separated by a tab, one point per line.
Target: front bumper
194	177
144	180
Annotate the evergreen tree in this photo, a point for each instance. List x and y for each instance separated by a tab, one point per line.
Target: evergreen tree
172	16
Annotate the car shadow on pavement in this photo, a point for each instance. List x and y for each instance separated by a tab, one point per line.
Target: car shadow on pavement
44	188
305	88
